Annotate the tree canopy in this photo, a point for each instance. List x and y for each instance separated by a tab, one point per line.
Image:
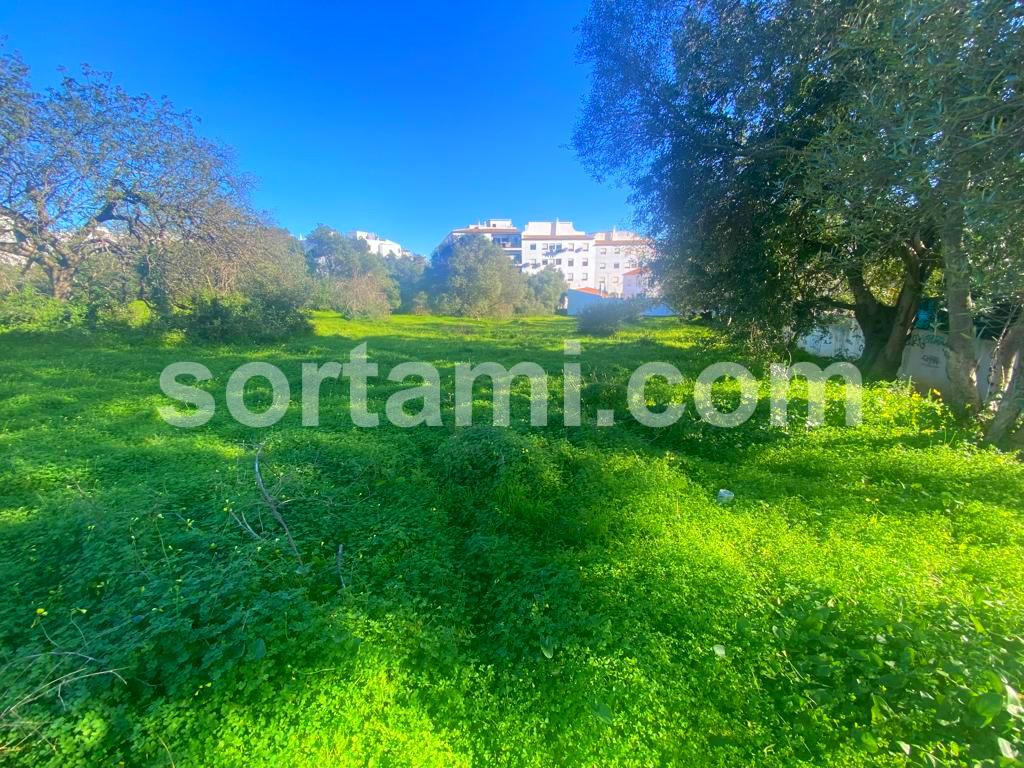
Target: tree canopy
803	156
88	170
474	277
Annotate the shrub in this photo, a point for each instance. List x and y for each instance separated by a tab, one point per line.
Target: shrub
604	318
135	315
266	316
364	296
28	309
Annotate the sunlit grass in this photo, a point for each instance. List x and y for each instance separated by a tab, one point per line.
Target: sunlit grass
523	596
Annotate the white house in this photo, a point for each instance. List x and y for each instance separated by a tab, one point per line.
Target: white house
636	282
378	245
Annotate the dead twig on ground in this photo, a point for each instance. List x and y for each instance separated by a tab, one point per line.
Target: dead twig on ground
337	558
272	503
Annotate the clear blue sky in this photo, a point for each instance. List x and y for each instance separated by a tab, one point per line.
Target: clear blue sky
403	119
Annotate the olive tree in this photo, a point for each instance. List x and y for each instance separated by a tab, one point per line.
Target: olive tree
927	148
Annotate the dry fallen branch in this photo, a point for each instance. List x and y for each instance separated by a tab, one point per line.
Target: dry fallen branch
337	559
11	720
273	504
243	523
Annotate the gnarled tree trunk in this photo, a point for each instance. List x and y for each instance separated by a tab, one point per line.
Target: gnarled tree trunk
886	329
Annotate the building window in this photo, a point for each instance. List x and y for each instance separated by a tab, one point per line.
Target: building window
558	262
585	263
533	246
615	265
583	277
569	277
615	279
572	262
603	265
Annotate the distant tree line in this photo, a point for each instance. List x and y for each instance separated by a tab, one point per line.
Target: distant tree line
805	156
113	208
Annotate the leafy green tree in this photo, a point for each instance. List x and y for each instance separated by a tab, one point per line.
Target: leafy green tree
933	130
703	107
807	155
475	278
407	274
351	279
332	254
546	289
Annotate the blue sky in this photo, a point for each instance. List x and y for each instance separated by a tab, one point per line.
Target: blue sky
405	119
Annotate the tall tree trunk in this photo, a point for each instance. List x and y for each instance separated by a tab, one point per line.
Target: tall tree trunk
1007	382
886	329
915	275
962	361
60	282
876	322
1009	409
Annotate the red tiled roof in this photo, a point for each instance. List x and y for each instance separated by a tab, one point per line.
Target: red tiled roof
637	271
592	291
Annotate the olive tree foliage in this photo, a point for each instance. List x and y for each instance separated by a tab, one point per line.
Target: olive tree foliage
802	155
88	171
933	129
245	258
705	107
407	272
545	290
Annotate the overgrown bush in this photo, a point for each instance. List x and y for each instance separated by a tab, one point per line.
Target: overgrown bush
135	315
365	296
605	318
27	309
235	316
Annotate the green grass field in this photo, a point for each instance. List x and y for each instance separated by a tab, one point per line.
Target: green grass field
524	596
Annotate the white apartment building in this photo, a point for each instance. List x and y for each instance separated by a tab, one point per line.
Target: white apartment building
596	260
378	245
499	231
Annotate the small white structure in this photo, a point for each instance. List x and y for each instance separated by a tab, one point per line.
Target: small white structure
842	338
378	245
924	358
636	282
926	355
